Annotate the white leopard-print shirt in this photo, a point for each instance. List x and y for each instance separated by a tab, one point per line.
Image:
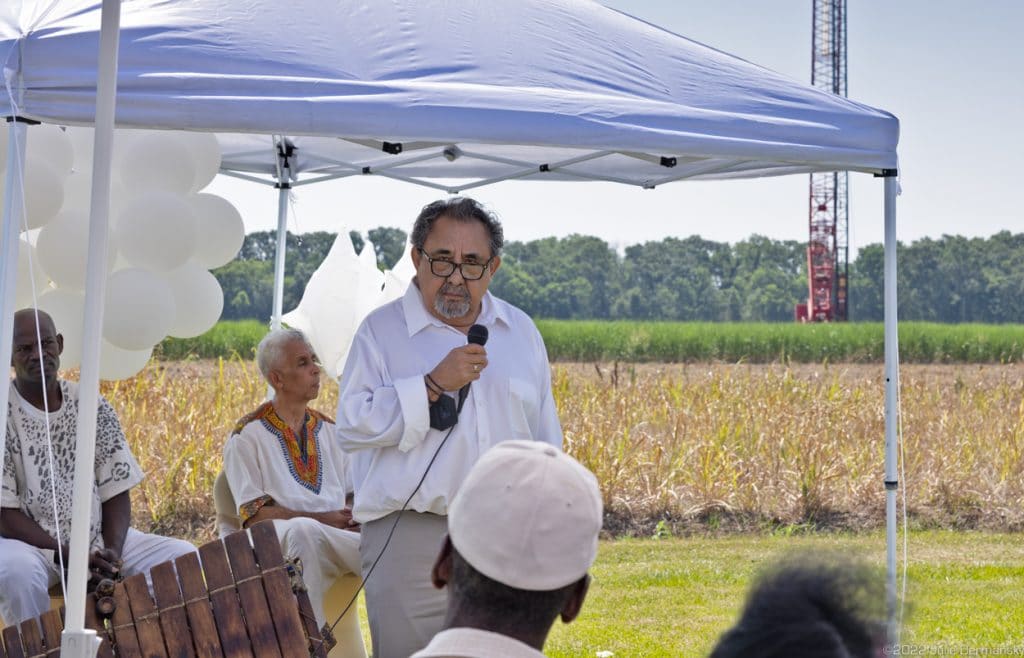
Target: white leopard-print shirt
26	475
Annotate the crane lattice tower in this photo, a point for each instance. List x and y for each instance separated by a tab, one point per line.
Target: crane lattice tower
828	243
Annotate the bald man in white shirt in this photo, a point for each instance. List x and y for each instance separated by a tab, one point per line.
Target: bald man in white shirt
408	357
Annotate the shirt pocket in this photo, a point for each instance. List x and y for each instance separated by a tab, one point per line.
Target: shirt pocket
522	408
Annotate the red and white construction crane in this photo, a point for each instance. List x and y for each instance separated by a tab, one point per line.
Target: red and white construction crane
828	243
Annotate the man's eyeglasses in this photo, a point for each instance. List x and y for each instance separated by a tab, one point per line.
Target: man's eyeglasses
445	268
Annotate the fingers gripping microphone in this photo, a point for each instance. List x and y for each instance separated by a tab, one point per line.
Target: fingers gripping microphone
477	336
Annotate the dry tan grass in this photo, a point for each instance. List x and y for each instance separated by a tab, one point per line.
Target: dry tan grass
700	446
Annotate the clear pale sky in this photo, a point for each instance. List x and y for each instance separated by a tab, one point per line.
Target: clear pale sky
951	71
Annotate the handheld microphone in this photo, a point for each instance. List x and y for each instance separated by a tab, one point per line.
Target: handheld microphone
477	336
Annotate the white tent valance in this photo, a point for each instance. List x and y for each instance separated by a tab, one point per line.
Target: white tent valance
555	88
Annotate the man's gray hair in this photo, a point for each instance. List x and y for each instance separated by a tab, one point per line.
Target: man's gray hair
268	352
463	209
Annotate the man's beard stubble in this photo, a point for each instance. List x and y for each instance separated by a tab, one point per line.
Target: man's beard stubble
452	310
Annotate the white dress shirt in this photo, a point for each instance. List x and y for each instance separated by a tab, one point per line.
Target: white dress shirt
475	643
259	462
383	414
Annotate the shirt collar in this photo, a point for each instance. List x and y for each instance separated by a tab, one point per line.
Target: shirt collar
476	642
418	318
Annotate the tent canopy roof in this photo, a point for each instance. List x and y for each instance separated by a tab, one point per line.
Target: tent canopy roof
456	90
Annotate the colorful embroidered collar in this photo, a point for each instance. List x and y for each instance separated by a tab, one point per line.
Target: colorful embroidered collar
301	452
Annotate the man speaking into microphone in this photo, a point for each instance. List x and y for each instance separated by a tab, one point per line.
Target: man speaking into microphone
432	381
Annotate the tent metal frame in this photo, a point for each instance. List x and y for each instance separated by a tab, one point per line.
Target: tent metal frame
79	642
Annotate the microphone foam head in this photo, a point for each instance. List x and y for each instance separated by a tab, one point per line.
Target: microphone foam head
477	334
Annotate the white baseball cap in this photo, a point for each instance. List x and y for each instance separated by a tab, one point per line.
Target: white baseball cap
527	516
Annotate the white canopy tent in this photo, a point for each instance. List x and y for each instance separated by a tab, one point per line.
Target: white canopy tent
451	95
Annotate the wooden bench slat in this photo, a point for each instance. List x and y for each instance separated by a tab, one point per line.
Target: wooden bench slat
31	638
125	638
93	621
52	627
251	596
147	620
12	642
278	587
234	640
316	647
198	607
173	618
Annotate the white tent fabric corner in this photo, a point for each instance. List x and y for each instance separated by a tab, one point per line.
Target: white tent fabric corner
451	95
340	293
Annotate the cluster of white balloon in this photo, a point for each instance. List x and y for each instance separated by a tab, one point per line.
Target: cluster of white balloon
165	236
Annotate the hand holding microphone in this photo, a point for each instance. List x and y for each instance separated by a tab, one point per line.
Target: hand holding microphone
457	371
463	365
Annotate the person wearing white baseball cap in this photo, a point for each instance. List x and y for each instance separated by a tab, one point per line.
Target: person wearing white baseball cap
522	535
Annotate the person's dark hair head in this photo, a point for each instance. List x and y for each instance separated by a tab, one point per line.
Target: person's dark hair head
508	608
810	605
460	208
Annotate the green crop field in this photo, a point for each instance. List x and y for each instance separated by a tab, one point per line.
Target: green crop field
690	342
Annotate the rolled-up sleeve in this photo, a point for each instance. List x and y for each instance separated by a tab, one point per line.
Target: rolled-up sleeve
9	494
374	411
242	469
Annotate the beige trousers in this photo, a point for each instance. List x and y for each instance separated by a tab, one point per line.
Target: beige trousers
404	608
326	553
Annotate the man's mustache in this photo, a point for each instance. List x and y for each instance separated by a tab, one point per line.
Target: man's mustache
452	289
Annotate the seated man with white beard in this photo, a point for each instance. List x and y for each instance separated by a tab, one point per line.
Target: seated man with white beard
284	464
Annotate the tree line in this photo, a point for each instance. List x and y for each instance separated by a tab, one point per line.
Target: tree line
949	279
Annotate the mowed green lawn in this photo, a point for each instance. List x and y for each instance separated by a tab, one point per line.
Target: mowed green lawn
674	597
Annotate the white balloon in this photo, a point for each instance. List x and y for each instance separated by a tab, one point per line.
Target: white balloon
157	231
63	248
116	363
44	192
50	144
198	300
221	230
206	155
140	309
82	140
155	160
78	190
78	193
28	272
67	308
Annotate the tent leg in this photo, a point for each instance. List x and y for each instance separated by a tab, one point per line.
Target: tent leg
13	206
76	640
279	253
891	405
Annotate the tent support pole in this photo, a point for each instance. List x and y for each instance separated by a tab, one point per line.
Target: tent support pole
13	206
280	252
891	405
77	641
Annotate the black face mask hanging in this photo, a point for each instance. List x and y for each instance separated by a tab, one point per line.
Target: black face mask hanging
443	414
